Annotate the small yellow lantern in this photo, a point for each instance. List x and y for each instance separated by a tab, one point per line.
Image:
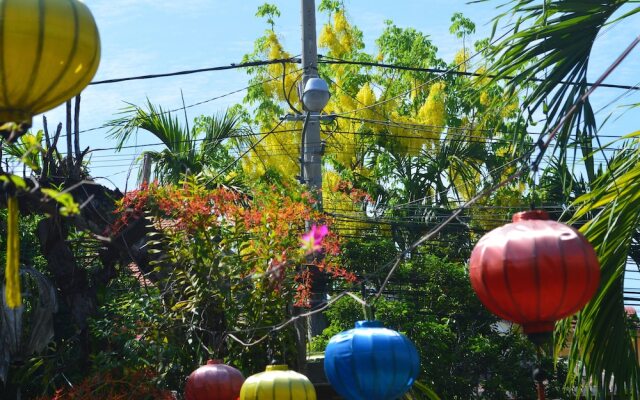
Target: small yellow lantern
277	383
50	51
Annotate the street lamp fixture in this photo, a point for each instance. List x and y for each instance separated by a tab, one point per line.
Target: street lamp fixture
315	95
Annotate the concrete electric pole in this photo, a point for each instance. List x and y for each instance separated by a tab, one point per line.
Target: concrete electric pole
146	169
311	145
314	95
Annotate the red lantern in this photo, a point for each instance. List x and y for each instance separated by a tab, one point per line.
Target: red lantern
214	381
534	271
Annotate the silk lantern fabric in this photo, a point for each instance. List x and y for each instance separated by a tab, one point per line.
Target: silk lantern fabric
277	383
534	271
214	381
50	51
371	362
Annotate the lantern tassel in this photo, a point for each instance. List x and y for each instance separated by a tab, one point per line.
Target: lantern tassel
12	271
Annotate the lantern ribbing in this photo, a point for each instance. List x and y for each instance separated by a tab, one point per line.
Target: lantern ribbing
214	380
277	382
371	362
534	271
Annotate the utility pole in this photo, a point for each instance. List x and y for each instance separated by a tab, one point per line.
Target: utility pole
311	145
146	169
315	93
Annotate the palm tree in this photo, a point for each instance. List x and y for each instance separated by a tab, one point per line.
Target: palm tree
554	40
199	150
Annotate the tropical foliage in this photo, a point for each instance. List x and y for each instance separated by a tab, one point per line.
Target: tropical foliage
418	142
187	151
225	264
603	352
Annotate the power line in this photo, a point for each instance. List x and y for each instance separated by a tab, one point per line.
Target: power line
203	101
453	68
252	147
332	60
184	141
195	71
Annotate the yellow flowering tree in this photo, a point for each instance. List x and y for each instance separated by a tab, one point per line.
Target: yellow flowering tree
407	136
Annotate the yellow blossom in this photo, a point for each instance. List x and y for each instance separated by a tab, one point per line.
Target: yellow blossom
433	112
484	98
339	202
327	37
340	21
460	60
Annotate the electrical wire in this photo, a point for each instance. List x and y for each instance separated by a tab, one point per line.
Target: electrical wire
203	101
252	147
338	61
195	71
428	82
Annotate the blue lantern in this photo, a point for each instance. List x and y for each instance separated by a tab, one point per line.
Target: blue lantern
371	362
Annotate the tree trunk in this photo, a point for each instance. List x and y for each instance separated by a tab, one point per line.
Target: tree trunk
69	157
70	278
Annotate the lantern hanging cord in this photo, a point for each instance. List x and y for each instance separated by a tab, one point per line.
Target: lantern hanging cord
534	187
539	374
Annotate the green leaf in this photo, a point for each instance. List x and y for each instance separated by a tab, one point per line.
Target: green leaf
16	180
66	201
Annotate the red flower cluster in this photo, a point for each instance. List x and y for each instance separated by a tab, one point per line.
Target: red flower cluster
303	291
266	226
130	208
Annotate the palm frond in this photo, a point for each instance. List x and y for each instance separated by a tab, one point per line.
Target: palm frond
602	356
217	129
154	120
27	149
553	40
171	167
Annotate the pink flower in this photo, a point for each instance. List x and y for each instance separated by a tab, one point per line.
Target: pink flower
312	240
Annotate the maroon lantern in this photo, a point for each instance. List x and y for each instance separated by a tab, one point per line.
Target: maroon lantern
534	271
214	381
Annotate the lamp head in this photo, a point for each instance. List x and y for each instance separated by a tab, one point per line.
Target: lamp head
315	95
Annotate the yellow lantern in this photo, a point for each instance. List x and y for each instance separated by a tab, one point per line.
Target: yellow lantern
277	383
50	51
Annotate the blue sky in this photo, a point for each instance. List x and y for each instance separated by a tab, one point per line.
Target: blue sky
146	36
